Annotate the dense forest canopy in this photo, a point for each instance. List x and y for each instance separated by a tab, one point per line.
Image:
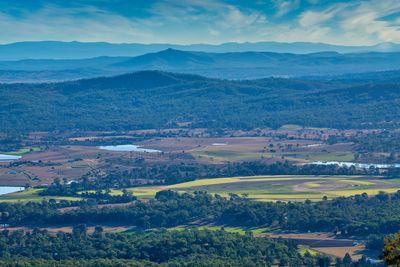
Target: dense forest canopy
148	249
360	215
157	248
154	99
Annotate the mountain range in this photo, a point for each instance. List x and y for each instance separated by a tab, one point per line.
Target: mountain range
80	50
229	65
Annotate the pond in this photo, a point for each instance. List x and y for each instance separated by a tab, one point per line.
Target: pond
134	148
357	165
8	158
10	189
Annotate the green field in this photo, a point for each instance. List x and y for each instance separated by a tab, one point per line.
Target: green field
303	250
31	195
22	151
259	188
281	187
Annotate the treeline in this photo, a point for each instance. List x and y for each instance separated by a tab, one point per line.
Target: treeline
385	141
184	172
358	215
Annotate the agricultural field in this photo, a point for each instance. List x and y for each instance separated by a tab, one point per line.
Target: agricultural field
231	155
71	155
22	151
281	188
32	195
40	166
258	188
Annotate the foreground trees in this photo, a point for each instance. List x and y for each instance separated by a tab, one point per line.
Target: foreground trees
391	251
189	247
358	215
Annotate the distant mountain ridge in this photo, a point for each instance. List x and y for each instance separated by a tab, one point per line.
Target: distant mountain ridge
80	50
231	65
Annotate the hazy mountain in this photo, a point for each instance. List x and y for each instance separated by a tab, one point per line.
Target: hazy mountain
244	65
237	65
79	50
153	99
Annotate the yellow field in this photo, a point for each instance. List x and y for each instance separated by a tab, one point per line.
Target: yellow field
259	188
281	187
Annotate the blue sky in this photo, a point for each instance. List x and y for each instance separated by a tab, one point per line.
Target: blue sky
354	22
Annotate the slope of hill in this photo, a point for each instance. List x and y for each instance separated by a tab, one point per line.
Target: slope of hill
262	64
152	99
243	65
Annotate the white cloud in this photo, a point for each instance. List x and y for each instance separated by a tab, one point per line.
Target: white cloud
310	18
55	23
285	6
212	21
214	32
363	21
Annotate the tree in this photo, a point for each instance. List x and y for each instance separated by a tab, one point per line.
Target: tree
347	260
391	251
79	230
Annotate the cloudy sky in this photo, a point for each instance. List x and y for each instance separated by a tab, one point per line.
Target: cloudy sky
351	22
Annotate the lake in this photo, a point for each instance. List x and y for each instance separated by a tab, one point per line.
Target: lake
10	189
357	165
134	148
8	158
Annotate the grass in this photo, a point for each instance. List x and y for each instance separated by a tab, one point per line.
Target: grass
291	126
313	184
30	191
239	230
303	250
13	198
32	195
260	188
217	155
281	187
23	151
358	182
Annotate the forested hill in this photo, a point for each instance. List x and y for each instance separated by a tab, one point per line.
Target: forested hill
153	99
261	64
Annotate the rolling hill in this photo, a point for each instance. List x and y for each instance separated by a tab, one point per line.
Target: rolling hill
153	99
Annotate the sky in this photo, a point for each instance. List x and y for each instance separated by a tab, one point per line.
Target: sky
352	22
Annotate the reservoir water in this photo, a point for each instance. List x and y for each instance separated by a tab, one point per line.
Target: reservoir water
8	158
134	148
10	189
